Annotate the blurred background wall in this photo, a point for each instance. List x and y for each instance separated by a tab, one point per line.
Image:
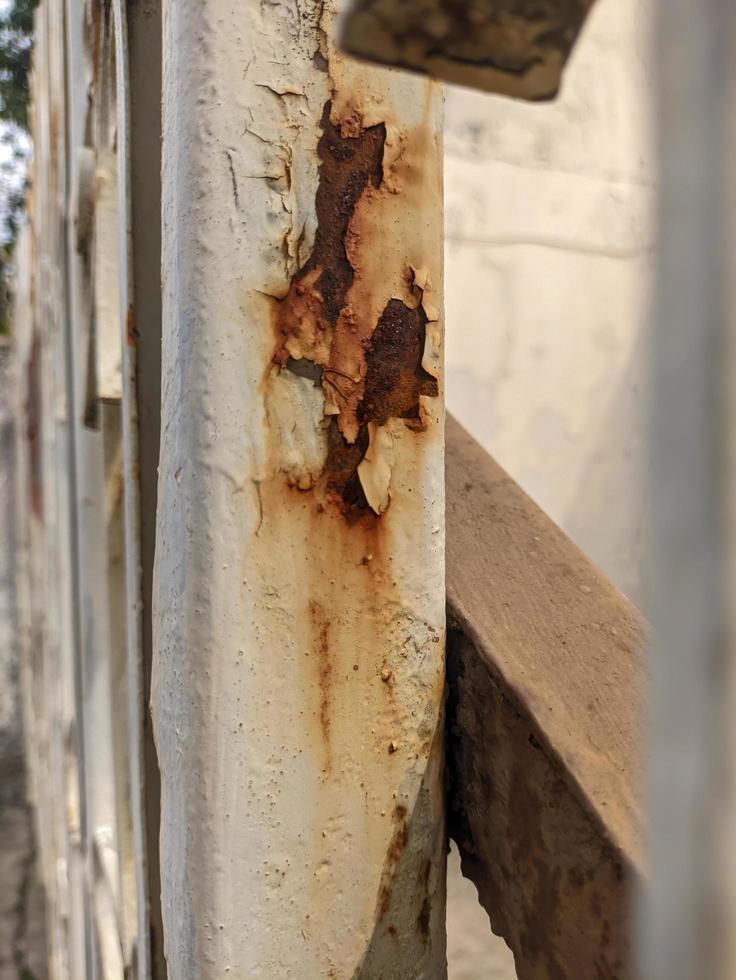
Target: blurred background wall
549	255
22	943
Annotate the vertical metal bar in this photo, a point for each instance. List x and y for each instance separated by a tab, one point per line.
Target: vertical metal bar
138	36
687	921
299	593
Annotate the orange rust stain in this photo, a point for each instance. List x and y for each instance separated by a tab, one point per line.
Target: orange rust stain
365	378
395	378
325	671
307	317
396	848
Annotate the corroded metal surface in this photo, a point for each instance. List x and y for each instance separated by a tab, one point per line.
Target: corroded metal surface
514	47
299	618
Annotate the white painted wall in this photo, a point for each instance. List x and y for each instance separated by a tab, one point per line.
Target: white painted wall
549	254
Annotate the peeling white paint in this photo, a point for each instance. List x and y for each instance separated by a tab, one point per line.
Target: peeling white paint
375	469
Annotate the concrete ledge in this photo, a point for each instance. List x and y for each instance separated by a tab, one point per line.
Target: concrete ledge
545	683
503	46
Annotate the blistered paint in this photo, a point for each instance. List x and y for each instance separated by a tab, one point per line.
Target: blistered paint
300	587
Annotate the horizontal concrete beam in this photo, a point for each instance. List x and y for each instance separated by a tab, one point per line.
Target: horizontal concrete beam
545	696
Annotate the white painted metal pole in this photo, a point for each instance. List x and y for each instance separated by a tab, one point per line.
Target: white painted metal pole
690	922
299	593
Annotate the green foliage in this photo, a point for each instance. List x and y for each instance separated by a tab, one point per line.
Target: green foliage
16	48
16	45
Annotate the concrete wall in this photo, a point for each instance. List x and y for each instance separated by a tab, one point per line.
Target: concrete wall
549	253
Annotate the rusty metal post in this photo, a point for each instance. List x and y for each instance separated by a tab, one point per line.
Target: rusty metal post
299	592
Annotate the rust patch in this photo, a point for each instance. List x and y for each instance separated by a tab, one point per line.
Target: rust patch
308	315
131	331
321	646
396	848
365	378
394	382
341	469
395	378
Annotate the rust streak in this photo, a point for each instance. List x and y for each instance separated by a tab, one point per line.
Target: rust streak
396	848
321	645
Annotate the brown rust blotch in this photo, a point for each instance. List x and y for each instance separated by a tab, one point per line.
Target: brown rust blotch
396	848
395	378
394	382
313	323
341	469
348	164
